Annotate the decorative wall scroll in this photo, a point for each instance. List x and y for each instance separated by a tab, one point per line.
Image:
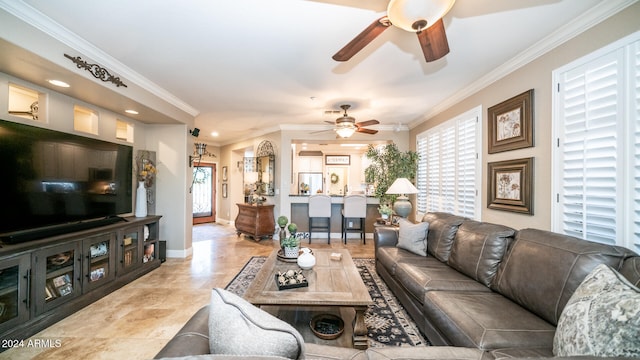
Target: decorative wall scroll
510	185
96	70
511	123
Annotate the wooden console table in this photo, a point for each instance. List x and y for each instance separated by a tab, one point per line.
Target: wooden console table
255	220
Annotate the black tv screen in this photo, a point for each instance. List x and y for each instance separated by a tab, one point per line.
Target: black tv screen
50	180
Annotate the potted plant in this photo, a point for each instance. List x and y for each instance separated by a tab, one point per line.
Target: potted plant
385	211
387	164
290	246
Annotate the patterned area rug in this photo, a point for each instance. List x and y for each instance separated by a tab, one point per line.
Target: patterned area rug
387	321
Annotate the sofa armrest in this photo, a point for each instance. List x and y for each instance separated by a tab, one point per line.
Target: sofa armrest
385	237
192	339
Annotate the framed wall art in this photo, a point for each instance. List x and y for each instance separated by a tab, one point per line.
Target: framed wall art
511	123
337	160
510	185
225	171
224	190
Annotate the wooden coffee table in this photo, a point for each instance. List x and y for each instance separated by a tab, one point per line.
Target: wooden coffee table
332	284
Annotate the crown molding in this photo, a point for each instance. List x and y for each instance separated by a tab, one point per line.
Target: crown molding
589	19
38	20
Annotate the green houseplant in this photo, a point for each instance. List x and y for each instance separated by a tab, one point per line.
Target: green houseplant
385	210
387	164
290	246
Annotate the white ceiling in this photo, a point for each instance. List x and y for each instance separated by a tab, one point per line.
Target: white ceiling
245	66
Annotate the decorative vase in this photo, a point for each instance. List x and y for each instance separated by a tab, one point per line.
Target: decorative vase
384	216
306	260
141	200
291	252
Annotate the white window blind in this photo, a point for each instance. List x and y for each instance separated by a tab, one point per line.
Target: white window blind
597	157
448	169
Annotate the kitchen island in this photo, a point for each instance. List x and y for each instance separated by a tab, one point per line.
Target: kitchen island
300	211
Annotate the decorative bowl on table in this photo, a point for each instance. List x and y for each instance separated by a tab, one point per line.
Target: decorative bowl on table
327	326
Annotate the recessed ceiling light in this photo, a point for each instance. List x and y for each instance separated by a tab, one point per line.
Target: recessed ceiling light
215	134
132	112
59	83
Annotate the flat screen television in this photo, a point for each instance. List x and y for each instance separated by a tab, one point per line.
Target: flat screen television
54	182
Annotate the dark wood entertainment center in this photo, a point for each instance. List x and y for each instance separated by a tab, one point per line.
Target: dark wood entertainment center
43	281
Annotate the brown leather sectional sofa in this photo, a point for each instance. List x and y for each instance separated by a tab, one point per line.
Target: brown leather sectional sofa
491	287
484	292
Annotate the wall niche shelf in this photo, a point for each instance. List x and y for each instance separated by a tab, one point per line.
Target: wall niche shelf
26	103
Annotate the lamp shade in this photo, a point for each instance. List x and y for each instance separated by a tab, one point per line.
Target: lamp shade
402	205
405	13
402	186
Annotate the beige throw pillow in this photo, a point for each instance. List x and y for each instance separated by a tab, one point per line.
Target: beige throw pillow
238	328
413	237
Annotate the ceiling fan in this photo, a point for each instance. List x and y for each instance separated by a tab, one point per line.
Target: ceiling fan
423	17
345	126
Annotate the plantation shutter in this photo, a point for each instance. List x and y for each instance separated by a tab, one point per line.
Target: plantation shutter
467	167
598	157
634	111
421	176
448	167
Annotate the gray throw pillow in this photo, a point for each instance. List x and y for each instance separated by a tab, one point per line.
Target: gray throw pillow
413	237
238	328
602	318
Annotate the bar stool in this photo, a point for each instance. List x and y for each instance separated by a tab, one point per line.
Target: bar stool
355	207
320	208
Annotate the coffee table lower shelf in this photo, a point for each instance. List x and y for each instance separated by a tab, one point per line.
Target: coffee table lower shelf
300	317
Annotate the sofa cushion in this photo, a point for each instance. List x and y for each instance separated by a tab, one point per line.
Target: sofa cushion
237	327
485	320
420	278
430	353
413	237
602	318
479	248
442	231
543	269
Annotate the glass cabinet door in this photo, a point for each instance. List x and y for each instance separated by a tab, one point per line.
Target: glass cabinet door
14	291
100	265
59	275
130	241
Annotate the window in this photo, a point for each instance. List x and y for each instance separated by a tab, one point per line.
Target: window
449	166
597	154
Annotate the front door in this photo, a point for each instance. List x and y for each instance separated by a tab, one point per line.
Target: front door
204	193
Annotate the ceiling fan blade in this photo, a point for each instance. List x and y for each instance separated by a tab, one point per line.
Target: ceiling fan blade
366	131
368	123
363	39
330	122
433	41
320	131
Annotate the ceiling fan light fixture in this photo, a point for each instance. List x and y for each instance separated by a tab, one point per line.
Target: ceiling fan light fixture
405	13
345	132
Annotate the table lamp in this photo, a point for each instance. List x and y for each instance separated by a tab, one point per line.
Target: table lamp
402	187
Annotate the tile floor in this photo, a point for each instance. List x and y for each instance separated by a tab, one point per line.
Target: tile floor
136	321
